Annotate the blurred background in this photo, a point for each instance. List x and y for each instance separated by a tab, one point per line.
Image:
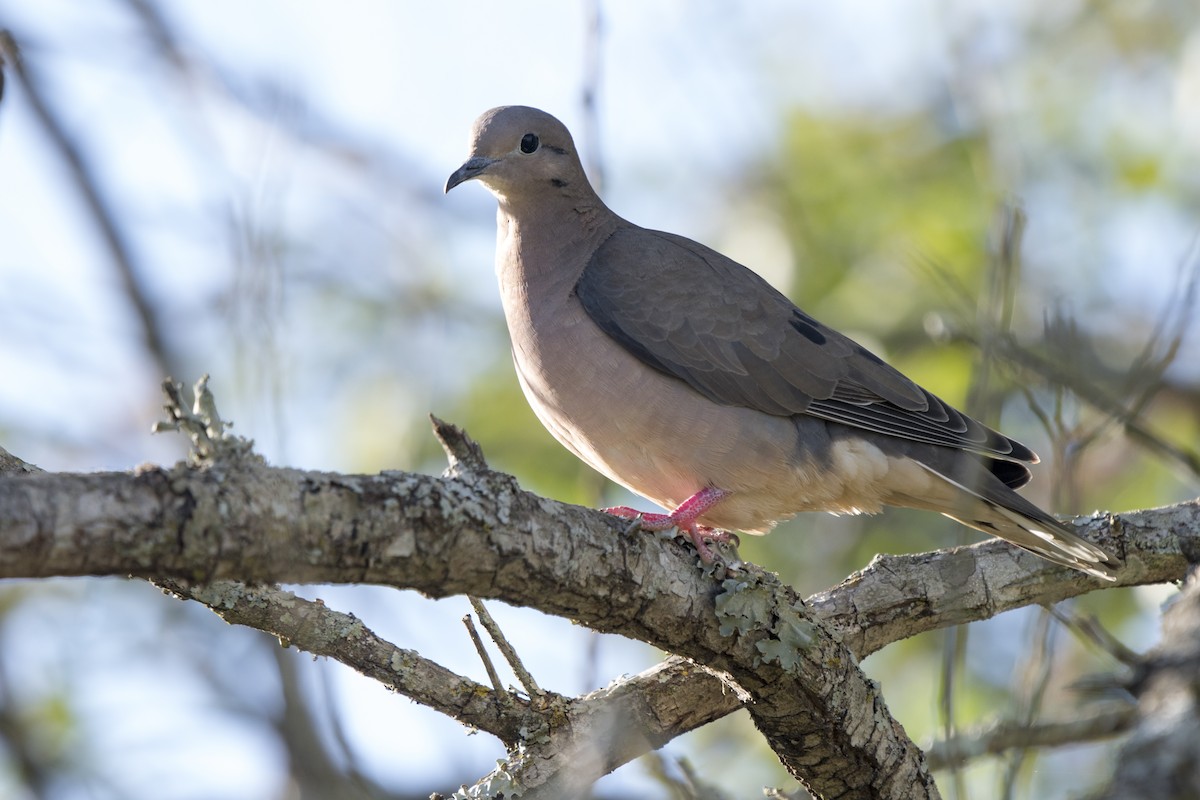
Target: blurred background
1002	199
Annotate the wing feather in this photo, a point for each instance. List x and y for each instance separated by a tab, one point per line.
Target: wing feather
690	312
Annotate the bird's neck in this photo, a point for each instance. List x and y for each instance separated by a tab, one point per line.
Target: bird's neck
549	249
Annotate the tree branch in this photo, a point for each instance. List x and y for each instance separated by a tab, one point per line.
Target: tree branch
237	519
322	631
478	533
1007	734
896	597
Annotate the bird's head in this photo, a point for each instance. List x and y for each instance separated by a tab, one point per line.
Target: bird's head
518	151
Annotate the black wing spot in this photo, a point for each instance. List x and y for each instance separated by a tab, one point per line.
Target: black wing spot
806	326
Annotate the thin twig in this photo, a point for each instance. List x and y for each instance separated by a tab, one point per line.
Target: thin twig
506	649
1142	381
1089	629
1092	394
484	657
1147	371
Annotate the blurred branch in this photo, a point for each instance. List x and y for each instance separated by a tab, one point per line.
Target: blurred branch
87	181
1160	756
994	310
159	32
1032	681
265	97
312	768
1007	734
29	766
1170	330
8	52
1067	363
1126	417
684	786
592	70
1090	629
954	655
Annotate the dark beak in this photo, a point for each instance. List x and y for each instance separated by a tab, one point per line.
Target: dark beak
471	168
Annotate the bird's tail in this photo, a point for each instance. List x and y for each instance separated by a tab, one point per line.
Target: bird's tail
993	508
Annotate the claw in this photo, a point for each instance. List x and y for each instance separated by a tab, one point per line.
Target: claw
700	541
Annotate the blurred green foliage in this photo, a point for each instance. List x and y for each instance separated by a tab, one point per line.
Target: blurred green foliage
859	197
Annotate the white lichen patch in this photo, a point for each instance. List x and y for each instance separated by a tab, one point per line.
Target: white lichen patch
402	545
793	634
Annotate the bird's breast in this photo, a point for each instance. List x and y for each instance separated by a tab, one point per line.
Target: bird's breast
651	432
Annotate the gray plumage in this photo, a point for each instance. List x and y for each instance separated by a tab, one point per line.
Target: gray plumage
674	371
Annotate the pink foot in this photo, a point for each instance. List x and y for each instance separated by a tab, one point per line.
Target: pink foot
684	518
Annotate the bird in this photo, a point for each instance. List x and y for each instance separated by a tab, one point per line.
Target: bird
687	378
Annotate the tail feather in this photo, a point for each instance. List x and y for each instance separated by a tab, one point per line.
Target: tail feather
1012	474
995	509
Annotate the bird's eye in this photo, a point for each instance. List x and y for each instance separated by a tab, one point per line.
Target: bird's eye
529	143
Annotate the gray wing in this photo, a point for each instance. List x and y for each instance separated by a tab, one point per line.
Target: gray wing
690	312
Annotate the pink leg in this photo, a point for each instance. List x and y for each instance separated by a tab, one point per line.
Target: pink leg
684	518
